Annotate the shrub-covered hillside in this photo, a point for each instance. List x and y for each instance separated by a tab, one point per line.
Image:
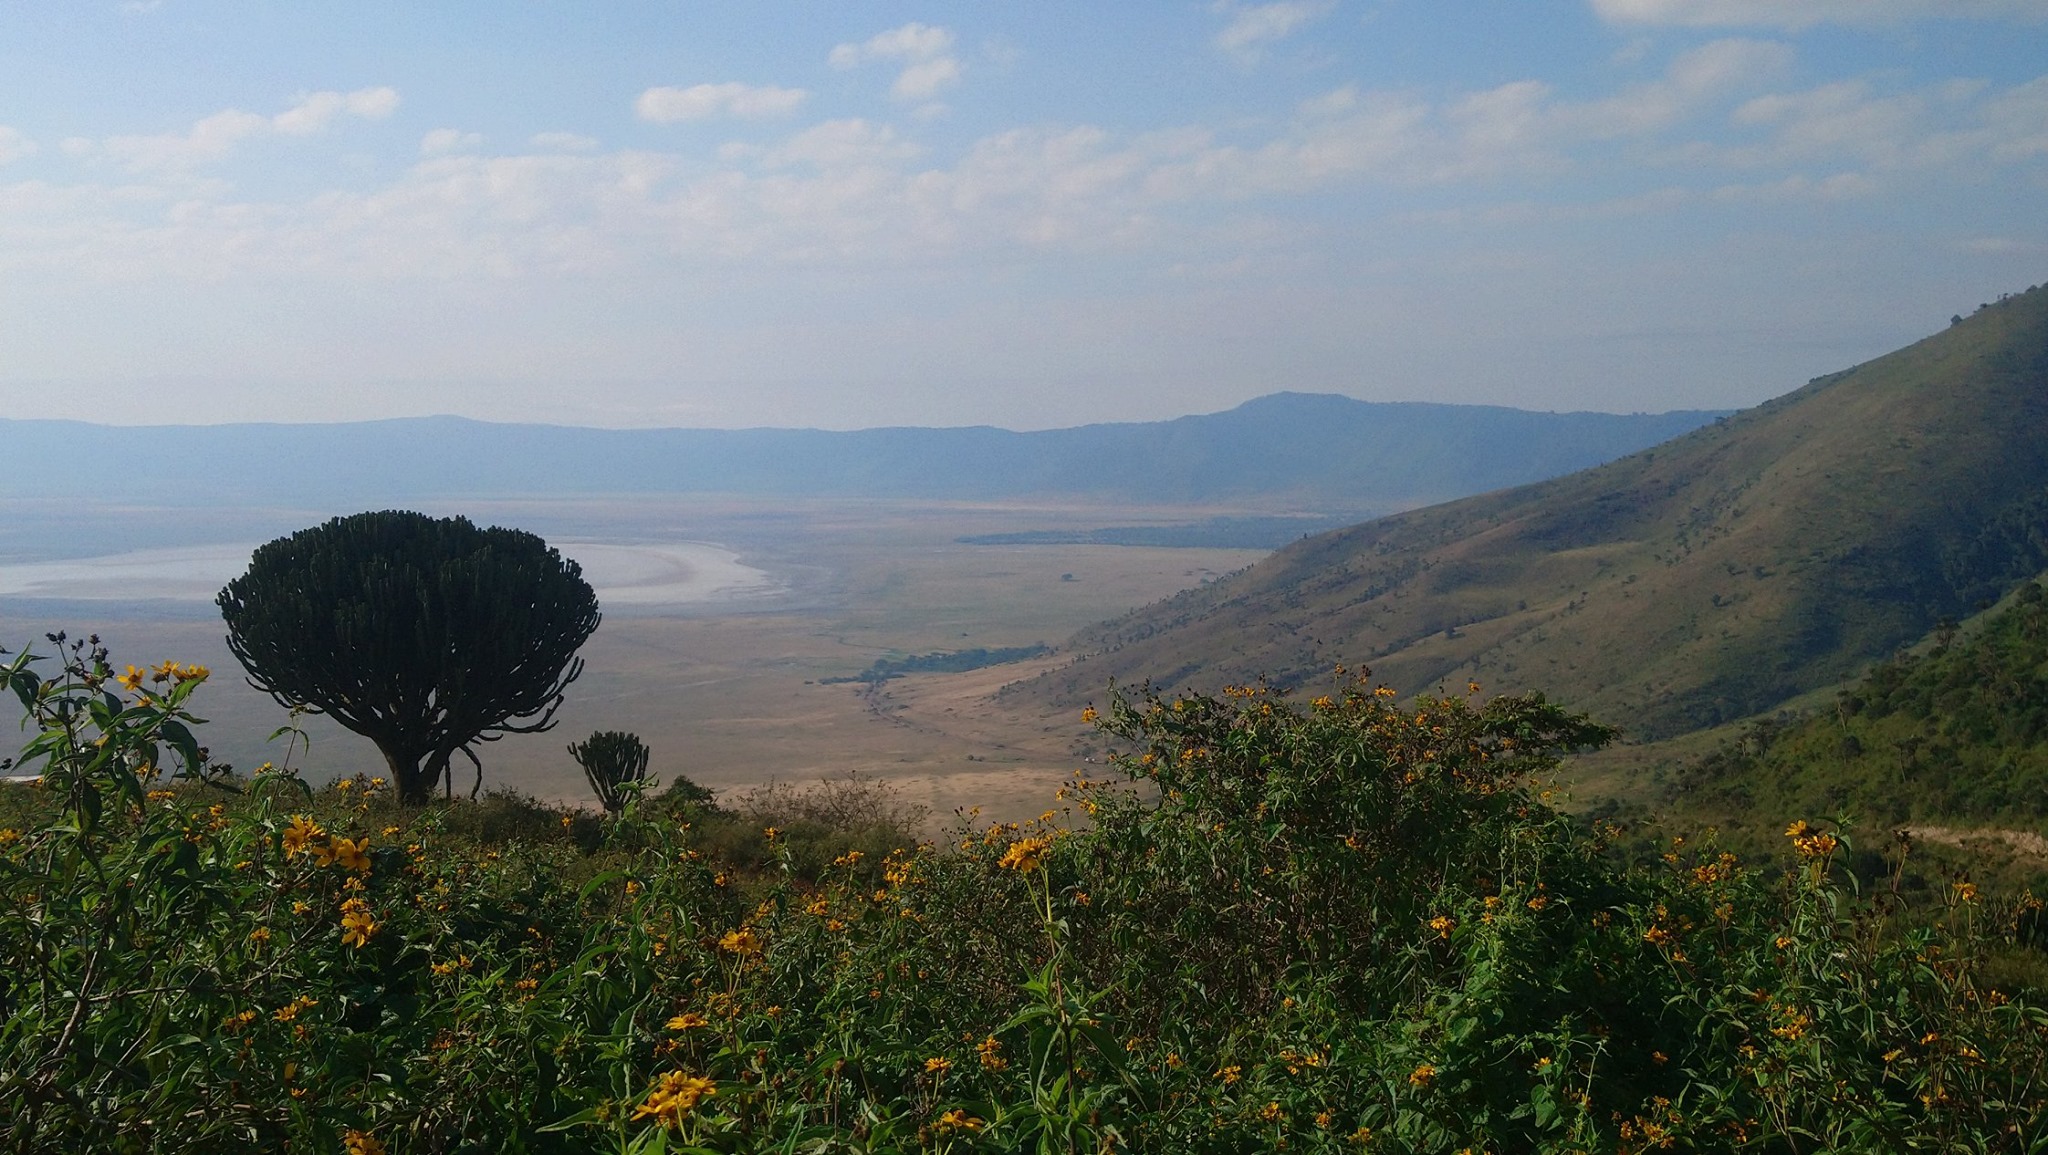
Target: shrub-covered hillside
1335	925
1957	731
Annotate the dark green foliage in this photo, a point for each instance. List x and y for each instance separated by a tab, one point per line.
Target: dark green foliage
1351	925
613	761
942	662
1270	532
1959	731
425	635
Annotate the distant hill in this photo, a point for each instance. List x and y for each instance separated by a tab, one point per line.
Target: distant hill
1957	731
1701	581
1294	450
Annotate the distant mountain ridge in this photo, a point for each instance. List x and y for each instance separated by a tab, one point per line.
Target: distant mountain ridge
1696	582
1309	451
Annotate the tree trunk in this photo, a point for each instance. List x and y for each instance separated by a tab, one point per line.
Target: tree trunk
414	788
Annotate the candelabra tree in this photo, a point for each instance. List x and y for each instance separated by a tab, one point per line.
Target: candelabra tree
425	635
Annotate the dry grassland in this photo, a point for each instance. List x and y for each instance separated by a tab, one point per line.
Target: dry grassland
730	696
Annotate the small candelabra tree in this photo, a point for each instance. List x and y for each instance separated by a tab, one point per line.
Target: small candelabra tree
615	762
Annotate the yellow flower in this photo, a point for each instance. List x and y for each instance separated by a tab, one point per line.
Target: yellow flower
260	935
351	855
674	1096
1817	845
132	679
301	834
362	1143
991	1053
958	1120
1966	891
938	1065
1271	1112
356	927
743	942
1795	1026
9	836
1421	1076
688	1020
1229	1075
1443	926
1089	715
290	1010
1025	854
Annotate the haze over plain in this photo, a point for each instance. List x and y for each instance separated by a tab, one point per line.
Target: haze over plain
783	214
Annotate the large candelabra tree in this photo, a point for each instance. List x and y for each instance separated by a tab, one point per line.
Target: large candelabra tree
425	635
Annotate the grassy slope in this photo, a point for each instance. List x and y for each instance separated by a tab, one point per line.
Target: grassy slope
1704	580
1957	732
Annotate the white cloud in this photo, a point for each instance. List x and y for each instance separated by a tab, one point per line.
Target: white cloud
1696	78
1795	14
449	140
854	190
314	110
926	79
563	142
841	144
208	139
704	101
1254	26
214	137
14	145
911	42
1852	123
925	51
1836	187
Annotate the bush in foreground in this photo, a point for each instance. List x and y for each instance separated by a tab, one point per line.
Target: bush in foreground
1339	926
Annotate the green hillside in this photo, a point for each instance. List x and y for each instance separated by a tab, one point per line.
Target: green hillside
1959	731
1710	578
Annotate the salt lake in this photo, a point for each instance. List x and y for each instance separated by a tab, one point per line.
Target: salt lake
639	575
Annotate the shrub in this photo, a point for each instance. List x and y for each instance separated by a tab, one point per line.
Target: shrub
1351	924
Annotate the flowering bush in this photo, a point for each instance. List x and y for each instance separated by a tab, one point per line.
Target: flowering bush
1350	925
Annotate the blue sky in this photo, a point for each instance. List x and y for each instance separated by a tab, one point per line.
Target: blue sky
1029	215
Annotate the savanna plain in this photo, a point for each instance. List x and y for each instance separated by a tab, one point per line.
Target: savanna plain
718	659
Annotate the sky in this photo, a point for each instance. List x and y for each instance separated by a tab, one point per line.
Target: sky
860	213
